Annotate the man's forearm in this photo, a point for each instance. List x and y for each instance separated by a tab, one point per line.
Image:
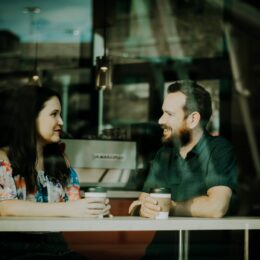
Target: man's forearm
197	207
213	205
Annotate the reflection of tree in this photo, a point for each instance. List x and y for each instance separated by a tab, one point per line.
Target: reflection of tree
126	104
174	29
199	28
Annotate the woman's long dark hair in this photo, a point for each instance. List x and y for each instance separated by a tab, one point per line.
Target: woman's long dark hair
27	104
6	128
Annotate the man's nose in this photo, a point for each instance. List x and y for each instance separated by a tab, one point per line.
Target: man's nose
161	120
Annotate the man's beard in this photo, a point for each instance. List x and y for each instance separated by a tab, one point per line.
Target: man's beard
178	139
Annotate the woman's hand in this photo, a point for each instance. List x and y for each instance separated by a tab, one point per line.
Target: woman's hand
88	207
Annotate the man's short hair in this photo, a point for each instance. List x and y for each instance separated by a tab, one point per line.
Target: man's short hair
197	99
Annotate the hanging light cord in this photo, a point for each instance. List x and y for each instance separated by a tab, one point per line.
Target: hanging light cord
36	57
104	27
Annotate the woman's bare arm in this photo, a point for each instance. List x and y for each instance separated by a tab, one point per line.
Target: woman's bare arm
90	207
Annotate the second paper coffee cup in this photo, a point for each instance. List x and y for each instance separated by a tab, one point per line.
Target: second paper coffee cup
163	196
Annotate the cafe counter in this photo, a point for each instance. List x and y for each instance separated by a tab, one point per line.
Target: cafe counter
133	224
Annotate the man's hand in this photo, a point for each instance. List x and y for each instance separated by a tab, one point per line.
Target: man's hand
145	206
134	208
149	207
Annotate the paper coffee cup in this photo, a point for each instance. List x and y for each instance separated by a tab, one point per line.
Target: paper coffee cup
96	192
163	196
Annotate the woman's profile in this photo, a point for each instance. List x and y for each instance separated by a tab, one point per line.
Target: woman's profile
36	178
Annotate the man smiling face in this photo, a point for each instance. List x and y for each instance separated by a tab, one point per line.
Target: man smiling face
174	120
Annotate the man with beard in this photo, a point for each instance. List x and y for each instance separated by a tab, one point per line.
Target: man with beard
199	169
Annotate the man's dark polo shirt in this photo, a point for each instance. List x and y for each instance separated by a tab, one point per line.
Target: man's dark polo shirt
210	163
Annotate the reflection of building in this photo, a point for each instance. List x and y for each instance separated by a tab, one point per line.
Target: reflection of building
10	52
19	56
9	42
58	55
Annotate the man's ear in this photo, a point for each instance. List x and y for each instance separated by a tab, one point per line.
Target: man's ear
193	120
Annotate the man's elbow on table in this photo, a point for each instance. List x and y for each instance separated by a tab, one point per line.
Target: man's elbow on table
208	210
218	211
217	202
213	205
220	199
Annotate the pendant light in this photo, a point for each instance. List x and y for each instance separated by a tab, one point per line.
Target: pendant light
34	78
104	63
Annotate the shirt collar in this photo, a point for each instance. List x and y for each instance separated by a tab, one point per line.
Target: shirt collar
201	143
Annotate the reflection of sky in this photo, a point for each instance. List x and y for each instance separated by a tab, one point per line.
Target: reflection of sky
58	21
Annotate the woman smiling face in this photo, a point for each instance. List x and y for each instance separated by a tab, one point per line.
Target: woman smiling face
49	122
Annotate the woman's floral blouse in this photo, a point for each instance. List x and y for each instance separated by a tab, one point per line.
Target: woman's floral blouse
46	190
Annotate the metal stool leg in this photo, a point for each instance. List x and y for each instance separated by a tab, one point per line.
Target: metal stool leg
246	243
186	244
180	257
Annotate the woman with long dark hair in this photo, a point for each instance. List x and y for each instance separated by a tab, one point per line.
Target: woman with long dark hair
33	167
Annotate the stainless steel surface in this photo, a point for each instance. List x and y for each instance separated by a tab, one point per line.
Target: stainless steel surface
101	154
